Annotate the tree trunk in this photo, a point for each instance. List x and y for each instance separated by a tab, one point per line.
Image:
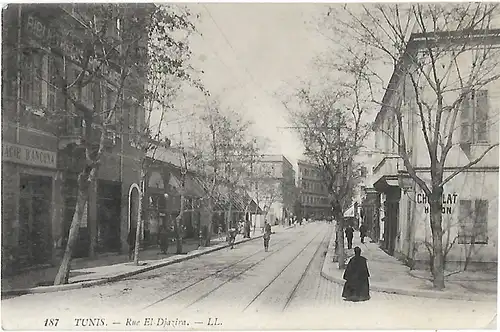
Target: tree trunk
340	240
177	226
437	241
137	240
62	276
210	221
229	216
92	219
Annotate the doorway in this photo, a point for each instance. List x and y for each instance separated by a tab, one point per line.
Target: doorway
109	215
35	222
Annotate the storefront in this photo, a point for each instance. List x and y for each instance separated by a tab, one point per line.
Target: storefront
389	187
30	196
370	208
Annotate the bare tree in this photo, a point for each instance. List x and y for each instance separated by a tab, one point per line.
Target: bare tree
331	121
444	56
332	134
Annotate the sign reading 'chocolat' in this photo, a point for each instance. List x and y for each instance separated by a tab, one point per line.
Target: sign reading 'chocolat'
28	155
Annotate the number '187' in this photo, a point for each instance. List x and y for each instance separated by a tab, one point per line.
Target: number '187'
51	321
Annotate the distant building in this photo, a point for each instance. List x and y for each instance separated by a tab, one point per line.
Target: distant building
277	171
314	200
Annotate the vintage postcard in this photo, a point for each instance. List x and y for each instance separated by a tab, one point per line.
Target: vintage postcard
250	166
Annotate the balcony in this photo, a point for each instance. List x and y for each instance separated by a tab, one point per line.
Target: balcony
71	132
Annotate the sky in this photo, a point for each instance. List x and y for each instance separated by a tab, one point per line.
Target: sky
250	53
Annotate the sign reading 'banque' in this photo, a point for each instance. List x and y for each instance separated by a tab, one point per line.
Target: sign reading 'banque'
28	155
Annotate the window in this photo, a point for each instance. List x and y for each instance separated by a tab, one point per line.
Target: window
473	222
108	103
133	120
474	118
55	98
363	171
32	90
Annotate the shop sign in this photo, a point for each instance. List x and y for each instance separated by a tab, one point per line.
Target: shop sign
448	201
28	155
50	37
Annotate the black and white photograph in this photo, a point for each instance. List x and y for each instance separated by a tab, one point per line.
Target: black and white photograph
215	166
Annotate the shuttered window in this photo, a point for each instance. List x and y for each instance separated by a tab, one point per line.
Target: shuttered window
473	222
474	118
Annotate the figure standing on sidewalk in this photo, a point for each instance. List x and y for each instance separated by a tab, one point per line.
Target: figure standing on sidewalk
163	239
349	234
232	234
131	243
357	286
267	235
362	232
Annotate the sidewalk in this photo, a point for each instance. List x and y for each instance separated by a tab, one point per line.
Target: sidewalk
111	267
389	275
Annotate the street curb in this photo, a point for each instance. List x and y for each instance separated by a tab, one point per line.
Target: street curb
92	283
409	292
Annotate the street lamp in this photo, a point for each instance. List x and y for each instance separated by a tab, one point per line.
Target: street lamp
405	181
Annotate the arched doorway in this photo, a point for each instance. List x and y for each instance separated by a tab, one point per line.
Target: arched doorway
134	203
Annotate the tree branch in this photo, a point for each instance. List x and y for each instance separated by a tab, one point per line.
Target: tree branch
472	163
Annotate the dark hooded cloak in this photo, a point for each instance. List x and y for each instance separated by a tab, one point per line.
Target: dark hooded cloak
357	286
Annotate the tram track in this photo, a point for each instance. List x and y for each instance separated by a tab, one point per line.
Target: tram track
273	244
302	277
285	268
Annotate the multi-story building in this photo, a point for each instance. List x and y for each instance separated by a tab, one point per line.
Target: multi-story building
470	200
313	193
277	176
40	153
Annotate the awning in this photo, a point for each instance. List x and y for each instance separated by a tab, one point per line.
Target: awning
349	212
192	187
386	183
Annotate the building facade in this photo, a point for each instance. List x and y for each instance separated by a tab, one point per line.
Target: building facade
41	155
274	180
314	200
470	199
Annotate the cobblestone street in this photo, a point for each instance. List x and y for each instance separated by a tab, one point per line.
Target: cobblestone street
245	288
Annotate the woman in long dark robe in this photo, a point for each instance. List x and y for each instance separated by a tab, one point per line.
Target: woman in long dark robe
357	286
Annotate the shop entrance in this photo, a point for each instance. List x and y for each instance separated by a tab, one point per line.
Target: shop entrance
35	225
109	215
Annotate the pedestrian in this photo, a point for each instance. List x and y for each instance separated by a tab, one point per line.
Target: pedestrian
163	239
362	232
131	242
232	234
357	286
267	235
248	226
349	234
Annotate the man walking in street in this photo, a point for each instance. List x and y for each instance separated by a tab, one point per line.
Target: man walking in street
349	234
267	235
362	232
